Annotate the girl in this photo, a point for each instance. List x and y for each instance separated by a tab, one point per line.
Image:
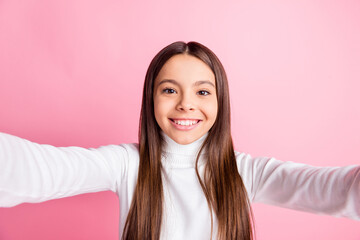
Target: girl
183	180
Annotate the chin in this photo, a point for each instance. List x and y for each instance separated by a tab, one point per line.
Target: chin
184	140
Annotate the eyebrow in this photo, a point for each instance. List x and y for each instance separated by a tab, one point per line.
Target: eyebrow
197	83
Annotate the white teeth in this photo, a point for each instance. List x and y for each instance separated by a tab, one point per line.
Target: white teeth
186	122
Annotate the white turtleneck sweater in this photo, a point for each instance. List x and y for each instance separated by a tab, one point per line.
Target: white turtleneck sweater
31	172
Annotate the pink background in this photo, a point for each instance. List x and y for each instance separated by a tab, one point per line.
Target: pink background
71	73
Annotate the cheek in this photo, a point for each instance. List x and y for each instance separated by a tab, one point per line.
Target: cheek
212	110
157	111
161	108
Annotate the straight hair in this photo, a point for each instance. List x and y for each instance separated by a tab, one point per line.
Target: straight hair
222	184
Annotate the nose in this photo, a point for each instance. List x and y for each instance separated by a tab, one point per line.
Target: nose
186	103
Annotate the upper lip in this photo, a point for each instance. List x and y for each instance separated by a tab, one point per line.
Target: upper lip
184	119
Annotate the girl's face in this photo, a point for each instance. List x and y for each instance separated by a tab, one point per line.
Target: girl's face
185	102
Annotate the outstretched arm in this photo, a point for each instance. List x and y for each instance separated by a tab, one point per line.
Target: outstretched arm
31	172
323	190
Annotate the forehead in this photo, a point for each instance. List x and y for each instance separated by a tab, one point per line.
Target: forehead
185	69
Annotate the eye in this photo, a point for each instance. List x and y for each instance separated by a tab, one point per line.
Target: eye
168	90
203	93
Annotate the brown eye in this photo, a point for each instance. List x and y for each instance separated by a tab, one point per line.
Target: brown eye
169	90
203	92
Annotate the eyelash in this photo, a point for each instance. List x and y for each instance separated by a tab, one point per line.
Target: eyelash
166	90
207	92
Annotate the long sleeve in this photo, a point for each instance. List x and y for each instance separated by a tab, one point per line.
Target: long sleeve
323	190
31	172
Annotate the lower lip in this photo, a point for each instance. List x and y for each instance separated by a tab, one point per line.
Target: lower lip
184	128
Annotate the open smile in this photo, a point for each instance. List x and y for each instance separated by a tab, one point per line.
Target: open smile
185	124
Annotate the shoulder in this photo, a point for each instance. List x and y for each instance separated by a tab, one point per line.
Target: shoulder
123	159
131	148
244	163
121	150
250	169
130	151
245	160
123	156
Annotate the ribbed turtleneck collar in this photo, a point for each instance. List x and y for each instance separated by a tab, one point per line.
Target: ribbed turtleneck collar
193	148
182	155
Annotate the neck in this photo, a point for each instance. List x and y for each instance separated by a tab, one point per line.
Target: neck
184	155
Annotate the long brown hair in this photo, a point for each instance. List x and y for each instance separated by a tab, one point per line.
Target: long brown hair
222	185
